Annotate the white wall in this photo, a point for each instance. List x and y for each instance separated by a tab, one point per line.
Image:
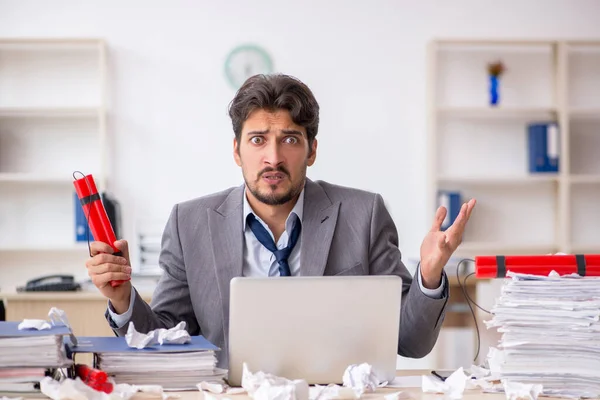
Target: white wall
365	62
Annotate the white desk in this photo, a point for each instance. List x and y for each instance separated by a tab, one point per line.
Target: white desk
416	393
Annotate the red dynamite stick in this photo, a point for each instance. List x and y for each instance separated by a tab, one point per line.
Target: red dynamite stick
94	378
487	267
95	214
87	373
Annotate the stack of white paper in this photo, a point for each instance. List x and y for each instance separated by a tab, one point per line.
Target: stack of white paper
550	333
149	242
32	351
172	366
171	370
19	380
26	355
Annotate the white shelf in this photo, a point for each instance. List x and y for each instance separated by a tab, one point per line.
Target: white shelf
50	112
585	113
470	44
497	112
585	248
481	152
585	178
53	121
504	248
72	248
43	43
35	178
497	181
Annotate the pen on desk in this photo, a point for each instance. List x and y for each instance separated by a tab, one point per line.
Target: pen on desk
443	378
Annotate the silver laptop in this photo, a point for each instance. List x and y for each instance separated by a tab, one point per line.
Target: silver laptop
313	328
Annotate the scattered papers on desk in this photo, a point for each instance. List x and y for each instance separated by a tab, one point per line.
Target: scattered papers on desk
478	372
476	378
39	324
521	391
75	389
264	386
219	388
331	392
58	317
174	335
550	329
360	378
481	378
453	387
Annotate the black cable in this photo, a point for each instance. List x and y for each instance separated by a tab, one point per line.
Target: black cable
469	301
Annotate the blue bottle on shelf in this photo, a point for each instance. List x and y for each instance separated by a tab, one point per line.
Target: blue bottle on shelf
494	90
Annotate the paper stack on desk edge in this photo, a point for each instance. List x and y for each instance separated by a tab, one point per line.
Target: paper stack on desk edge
550	329
174	366
29	350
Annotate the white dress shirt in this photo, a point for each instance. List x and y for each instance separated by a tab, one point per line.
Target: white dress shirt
259	261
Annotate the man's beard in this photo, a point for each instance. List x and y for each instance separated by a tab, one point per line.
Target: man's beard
272	198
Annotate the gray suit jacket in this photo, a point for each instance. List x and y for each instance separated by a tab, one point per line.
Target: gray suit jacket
344	232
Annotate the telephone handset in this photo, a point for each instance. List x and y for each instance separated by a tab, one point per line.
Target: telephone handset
51	283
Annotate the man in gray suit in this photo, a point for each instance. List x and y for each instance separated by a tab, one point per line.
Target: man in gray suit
278	223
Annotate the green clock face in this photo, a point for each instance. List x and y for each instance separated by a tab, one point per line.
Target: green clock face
245	61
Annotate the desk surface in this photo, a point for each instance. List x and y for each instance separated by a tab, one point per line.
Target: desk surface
93	294
415	393
82	295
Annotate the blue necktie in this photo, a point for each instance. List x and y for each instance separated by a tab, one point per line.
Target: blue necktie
281	255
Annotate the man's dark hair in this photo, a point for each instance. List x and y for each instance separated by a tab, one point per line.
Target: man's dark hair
273	92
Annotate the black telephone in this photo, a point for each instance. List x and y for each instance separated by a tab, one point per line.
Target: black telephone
51	283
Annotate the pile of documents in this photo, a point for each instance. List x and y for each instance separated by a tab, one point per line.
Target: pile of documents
172	366
550	329
27	355
149	240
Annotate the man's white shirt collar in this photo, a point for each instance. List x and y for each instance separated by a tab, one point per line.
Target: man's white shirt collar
298	210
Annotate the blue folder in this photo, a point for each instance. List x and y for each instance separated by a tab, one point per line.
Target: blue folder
450	200
543	147
82	229
114	344
11	329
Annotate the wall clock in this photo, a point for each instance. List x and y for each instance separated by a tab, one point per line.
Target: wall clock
244	61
